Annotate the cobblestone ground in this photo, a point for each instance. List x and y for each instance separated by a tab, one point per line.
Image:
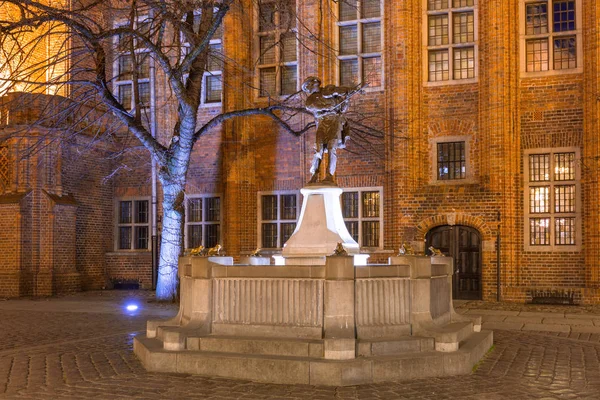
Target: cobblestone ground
48	352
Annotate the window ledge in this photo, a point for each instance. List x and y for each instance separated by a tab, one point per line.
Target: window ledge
128	253
451	82
554	72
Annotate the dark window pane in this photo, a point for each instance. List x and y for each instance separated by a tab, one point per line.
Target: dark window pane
370	233
451	161
289	77
287	230
288	47
266	16
125	237
269	207
371	37
125	212
348	40
141	237
194	210
194	236
349	72
267	82
141	212
352	227
269	236
213	208
288	206
212	234
350	205
370	8
348	10
215	60
213	89
564	15
439	66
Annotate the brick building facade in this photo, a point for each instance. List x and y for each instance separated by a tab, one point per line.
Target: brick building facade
489	119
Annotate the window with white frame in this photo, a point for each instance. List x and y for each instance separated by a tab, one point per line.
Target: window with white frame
212	85
451	37
133	224
551	32
278	215
552	194
202	221
131	66
362	212
359	28
277	44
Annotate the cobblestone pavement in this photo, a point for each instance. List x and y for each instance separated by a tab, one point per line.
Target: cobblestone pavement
76	348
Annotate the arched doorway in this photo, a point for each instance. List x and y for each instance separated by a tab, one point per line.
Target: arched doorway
463	244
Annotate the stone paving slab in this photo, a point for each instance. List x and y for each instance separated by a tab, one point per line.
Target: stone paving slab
58	354
524	320
509	326
546	327
568	321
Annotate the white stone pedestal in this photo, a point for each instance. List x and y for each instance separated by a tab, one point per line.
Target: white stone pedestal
320	227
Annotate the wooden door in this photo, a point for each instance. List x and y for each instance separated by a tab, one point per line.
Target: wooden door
463	244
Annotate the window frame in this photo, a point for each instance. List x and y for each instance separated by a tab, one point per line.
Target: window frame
552	214
204	221
360	219
277	221
359	55
469	171
117	224
551	35
116	82
450	46
278	64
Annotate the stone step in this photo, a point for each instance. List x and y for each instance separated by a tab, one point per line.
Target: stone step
448	337
409	344
311	371
259	346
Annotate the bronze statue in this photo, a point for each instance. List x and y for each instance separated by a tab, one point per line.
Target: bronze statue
406	250
328	105
435	252
198	251
214	251
340	250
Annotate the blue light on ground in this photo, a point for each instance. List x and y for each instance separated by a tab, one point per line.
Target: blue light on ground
131	307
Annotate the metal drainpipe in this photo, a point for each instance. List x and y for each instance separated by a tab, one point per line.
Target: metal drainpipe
154	238
498	296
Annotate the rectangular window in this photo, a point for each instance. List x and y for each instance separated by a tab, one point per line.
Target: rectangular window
451	36
451	161
202	221
550	35
133	225
359	30
361	209
211	86
5	169
278	216
132	67
277	44
552	194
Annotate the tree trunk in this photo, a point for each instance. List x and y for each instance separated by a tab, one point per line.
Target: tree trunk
171	240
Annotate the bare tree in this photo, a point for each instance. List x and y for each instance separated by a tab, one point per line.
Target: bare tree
176	37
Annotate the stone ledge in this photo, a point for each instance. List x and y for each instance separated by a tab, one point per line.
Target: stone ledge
304	370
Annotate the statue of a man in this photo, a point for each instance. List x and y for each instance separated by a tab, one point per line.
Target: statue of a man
328	105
